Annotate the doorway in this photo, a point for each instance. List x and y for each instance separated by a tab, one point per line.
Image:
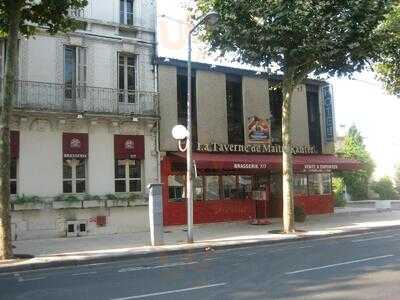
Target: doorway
261	196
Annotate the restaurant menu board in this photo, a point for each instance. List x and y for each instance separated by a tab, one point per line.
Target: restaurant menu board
258	130
328	110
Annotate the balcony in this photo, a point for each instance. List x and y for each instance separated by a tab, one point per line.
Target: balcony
41	96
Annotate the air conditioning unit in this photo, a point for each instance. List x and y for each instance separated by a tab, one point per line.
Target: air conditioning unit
76	228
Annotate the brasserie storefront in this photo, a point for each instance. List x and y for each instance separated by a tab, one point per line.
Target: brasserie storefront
244	182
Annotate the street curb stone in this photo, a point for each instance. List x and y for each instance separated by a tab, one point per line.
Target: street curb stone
201	247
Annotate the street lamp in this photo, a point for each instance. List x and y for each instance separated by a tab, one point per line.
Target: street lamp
210	19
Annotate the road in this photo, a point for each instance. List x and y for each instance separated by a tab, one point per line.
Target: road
359	266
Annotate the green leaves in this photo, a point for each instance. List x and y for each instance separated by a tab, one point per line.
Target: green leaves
51	15
331	36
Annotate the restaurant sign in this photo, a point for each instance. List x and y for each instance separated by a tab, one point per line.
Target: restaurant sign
320	168
266	149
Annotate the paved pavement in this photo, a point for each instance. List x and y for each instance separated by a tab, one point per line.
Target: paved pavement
65	251
353	266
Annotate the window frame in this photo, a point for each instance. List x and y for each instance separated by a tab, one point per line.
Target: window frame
234	103
79	75
123	11
125	93
74	179
128	179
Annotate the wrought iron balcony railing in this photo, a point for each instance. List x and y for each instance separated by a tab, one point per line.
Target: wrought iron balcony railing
44	96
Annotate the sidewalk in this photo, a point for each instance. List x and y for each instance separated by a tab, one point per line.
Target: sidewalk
71	251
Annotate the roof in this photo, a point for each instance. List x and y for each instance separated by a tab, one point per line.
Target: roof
166	61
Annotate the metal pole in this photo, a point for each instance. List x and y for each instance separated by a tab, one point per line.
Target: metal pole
189	173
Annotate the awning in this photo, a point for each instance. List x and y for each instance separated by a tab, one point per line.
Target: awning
273	162
75	145
129	146
14	144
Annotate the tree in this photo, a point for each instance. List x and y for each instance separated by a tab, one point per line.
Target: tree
388	62
397	179
385	189
22	17
297	37
357	181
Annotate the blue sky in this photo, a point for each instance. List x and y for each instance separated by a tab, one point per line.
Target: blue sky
361	101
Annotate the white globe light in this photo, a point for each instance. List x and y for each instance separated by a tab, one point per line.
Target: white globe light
179	132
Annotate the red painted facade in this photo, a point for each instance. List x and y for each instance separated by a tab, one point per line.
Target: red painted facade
224	210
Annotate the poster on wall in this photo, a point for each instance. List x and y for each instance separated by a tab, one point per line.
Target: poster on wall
328	113
258	130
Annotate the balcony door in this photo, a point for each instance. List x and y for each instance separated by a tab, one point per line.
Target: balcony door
127	83
126	12
75	70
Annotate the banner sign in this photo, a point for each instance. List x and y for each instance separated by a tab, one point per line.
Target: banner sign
258	130
328	110
232	148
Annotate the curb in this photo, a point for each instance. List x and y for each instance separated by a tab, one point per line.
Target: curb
159	253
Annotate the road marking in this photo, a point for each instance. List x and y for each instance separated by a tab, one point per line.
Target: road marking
85	273
211	259
20	279
374	238
173	291
133	269
305	247
340	264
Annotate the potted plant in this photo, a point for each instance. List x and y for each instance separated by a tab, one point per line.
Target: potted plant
299	214
23	202
113	200
64	201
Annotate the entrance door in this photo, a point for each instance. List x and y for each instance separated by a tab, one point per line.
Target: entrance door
261	194
276	196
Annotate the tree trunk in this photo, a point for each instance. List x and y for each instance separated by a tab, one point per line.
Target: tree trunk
9	95
288	86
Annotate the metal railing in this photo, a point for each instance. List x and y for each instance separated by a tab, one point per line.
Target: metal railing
42	96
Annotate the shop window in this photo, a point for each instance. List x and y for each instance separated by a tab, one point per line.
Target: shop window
176	188
198	188
182	91
229	185
212	187
128	176
244	187
234	105
319	184
13	177
300	184
74	176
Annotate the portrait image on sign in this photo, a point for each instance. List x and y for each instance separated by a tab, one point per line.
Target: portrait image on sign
258	130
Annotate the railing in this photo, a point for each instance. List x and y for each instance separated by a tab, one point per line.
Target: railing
59	97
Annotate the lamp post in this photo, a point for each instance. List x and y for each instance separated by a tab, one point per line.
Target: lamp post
210	19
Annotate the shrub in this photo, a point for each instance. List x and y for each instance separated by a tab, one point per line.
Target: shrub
338	191
111	197
385	189
21	199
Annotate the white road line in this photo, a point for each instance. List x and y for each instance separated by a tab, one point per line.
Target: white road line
85	273
374	238
340	264
210	259
30	279
133	269
173	291
304	247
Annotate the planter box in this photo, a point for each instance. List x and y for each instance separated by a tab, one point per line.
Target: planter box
93	203
140	202
28	206
117	203
66	204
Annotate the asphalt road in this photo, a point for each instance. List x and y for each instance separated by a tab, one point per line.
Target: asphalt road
360	266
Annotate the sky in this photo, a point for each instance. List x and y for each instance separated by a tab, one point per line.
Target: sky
361	101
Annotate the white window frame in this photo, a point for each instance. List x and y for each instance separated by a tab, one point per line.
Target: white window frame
125	92
79	82
124	10
127	179
73	163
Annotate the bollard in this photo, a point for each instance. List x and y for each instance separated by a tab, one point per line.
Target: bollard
156	214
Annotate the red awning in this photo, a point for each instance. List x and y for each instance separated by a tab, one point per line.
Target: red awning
14	144
129	146
75	145
241	162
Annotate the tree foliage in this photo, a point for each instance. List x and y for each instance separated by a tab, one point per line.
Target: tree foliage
298	37
397	178
385	189
388	66
357	182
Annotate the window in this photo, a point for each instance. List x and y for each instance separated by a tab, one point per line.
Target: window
300	184
244	187
126	12
275	103
234	105
177	188
319	184
126	78
74	176
198	188
75	70
229	185
314	124
212	187
13	176
182	101
128	176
